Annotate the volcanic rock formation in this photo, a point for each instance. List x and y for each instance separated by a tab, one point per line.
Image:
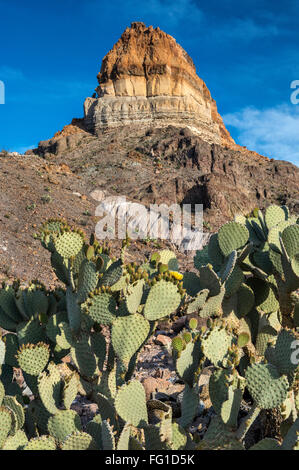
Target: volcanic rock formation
153	134
147	78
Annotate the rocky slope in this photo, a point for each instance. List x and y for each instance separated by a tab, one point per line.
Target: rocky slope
152	134
172	164
155	165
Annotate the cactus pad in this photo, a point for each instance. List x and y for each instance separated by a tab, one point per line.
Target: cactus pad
101	308
215	345
178	344
16	442
49	387
17	411
168	257
295	264
70	390
68	244
290	238
230	264
232	236
134	298
11	349
52	328
266	444
64	423
274	215
218	389
189	406
179	437
33	358
94	428
5	424
230	408
208	279
265	295
275	233
64	337
84	357
201	258
191	283
73	310
30	332
41	443
2	392
214	252
267	387
113	274
8	304
163	299
199	301
87	280
108	440
78	441
130	404
234	281
187	362
124	438
128	335
245	302
213	305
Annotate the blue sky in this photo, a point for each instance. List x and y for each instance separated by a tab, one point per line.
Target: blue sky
247	52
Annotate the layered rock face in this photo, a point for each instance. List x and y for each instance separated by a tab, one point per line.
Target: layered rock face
147	78
153	134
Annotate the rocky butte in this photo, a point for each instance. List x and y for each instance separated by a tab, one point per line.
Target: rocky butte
147	78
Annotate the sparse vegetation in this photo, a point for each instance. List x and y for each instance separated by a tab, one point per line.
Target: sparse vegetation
46	198
31	207
87	213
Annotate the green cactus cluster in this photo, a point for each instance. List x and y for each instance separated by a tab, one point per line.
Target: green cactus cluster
251	329
242	307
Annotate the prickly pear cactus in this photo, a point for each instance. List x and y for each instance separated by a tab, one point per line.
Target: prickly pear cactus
241	310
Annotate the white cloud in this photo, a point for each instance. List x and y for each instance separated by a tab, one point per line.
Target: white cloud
246	29
273	132
10	73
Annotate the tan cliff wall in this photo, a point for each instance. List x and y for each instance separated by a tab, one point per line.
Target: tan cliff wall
148	78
